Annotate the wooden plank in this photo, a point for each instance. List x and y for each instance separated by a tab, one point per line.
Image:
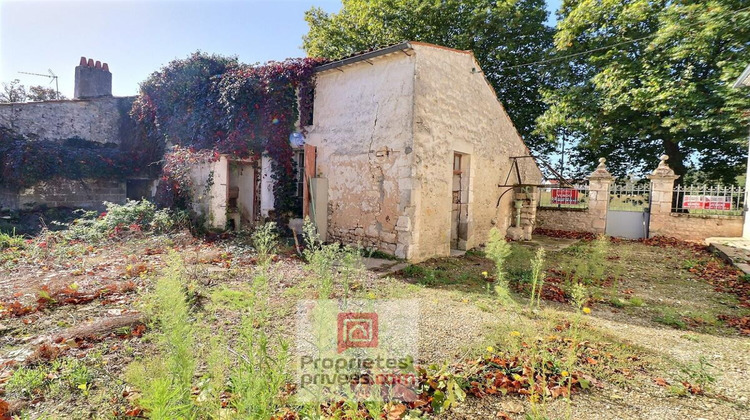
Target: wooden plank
310	168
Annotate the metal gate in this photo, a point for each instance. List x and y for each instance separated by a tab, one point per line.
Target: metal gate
627	215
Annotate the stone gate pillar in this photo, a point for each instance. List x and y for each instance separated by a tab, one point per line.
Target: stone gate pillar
662	187
599	182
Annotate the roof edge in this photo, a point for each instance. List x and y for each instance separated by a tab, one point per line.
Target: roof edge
364	56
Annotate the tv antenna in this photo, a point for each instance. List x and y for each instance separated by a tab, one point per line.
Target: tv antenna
52	76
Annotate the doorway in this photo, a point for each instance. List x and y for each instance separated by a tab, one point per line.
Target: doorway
460	201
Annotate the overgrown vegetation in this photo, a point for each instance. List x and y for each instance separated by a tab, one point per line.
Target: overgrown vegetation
25	162
216	104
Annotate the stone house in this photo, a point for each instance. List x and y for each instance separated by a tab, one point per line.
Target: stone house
414	145
408	151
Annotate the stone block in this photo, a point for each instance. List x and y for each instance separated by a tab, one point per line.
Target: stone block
515	233
388	237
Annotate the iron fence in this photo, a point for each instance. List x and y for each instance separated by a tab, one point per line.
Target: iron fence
704	199
571	197
629	197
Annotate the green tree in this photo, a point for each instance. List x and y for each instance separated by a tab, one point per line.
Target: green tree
500	33
42	93
658	81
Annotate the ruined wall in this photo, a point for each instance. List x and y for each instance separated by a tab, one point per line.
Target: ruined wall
86	194
456	110
104	120
362	126
211	190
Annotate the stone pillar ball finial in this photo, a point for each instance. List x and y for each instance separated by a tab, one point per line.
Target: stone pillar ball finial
602	160
664	158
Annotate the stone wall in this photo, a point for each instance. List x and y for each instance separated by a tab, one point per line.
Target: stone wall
577	220
104	120
87	194
457	111
662	221
362	125
685	226
691	227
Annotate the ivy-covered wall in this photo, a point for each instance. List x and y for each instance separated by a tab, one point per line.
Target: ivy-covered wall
64	153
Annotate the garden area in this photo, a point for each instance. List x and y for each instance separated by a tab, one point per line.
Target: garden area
129	314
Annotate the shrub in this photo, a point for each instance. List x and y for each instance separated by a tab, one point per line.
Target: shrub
265	241
11	240
133	215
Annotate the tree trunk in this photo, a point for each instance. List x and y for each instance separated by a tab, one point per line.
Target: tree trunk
676	161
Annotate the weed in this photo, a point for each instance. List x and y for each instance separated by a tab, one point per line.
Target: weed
635	301
265	240
414	271
257	380
165	380
699	373
91	226
617	302
475	252
537	277
579	295
234	299
27	382
670	317
689	264
11	240
376	253
498	251
678	390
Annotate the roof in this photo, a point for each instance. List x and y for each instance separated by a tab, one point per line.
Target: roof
744	79
377	52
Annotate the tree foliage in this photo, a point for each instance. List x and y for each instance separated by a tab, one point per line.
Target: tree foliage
14	91
664	85
500	33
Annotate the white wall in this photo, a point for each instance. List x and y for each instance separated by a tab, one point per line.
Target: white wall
266	186
456	110
362	127
211	201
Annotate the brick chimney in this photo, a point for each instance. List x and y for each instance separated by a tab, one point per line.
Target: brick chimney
93	79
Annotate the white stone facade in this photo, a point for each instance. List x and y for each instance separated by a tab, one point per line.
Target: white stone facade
386	131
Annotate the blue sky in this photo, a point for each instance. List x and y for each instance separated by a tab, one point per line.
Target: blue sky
137	37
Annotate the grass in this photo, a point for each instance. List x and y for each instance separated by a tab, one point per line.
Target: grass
217	335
